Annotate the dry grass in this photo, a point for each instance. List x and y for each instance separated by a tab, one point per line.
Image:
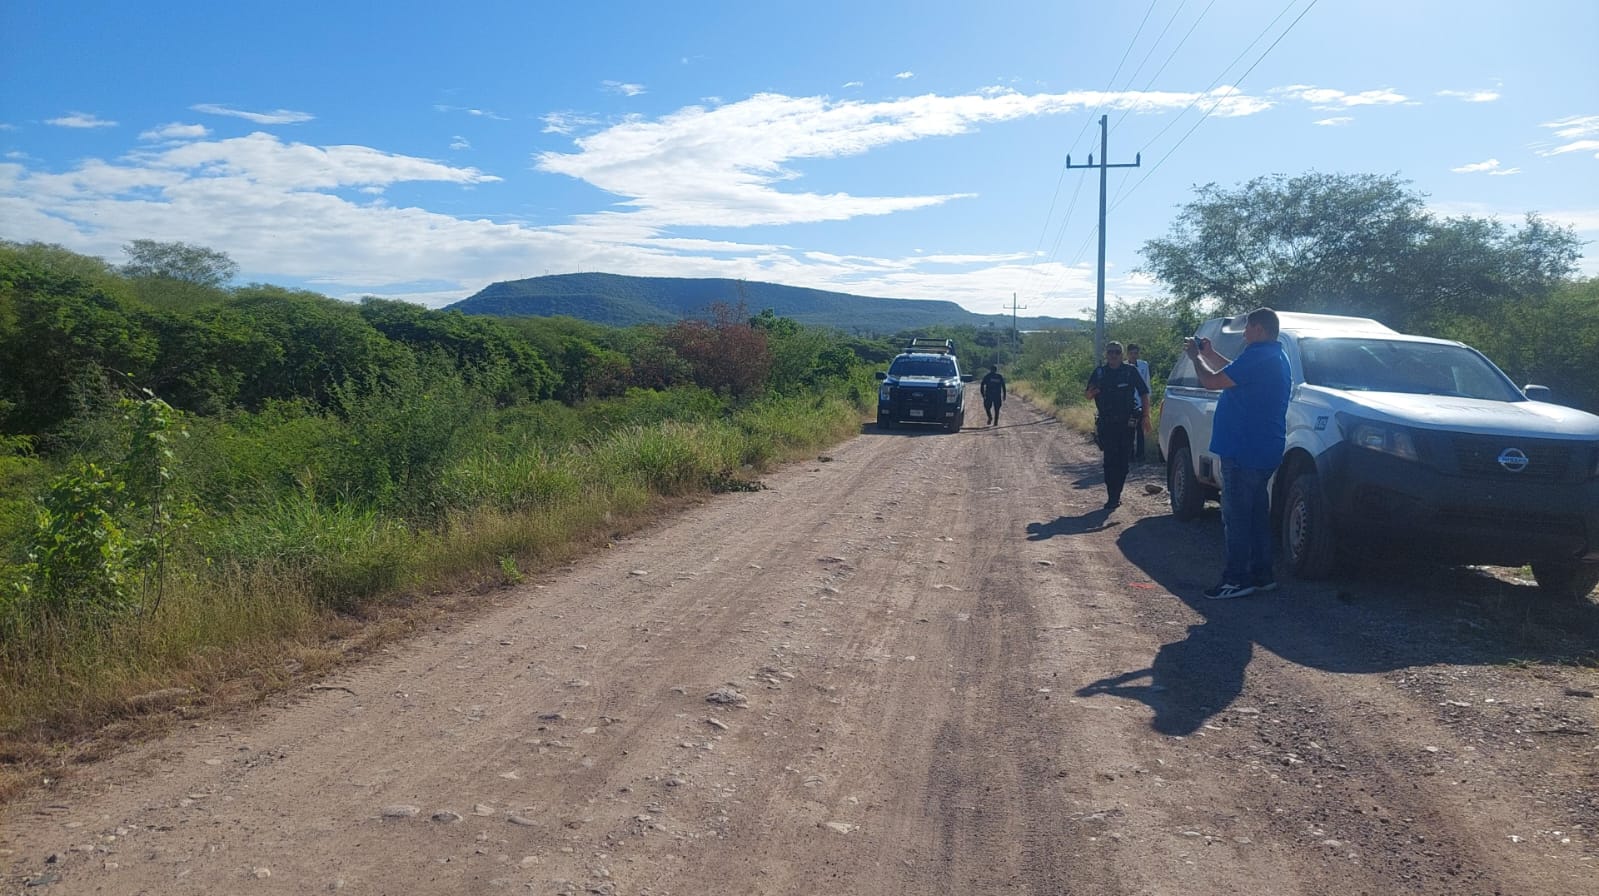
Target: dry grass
242	634
270	643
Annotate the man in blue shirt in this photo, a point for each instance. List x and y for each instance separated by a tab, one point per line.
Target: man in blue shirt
1248	434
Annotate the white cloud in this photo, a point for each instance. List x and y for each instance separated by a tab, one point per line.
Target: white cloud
80	120
475	113
292	210
905	76
1577	129
264	159
723	166
1477	167
1471	96
1574	126
458	143
851	84
1585	220
1574	146
566	122
1328	98
281	116
623	89
176	131
973	259
1335	121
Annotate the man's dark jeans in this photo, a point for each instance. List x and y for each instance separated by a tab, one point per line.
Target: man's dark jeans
1246	523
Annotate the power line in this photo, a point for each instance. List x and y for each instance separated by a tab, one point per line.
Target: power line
1125	192
1173	55
1219	100
1072	205
1158	38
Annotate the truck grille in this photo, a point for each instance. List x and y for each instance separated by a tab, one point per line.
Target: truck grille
1479	456
920	397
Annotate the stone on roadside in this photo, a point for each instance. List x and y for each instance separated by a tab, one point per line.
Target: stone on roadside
726	697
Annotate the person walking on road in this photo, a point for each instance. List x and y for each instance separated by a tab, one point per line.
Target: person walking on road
993	390
1122	399
1133	360
1249	434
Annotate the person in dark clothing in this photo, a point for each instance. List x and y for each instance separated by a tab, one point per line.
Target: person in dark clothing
993	390
1122	399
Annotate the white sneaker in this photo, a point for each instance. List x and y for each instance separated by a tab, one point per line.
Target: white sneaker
1225	591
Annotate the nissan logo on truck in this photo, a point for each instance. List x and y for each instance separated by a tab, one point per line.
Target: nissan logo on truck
1513	459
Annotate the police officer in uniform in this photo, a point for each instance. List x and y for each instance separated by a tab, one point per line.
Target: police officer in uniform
1122	398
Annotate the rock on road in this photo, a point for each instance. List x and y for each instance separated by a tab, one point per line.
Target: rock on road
926	664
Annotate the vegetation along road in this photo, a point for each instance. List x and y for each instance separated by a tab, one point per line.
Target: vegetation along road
922	664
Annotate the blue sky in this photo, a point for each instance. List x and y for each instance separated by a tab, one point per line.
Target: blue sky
910	150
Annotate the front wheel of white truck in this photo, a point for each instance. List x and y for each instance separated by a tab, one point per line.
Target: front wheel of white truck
1187	495
1309	546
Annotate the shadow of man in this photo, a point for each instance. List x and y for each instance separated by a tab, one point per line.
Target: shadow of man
1095	520
1189	680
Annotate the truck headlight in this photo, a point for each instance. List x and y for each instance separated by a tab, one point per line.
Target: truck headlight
1381	437
883	392
952	394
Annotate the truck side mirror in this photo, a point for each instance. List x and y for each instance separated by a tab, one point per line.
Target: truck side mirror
881	375
1538	393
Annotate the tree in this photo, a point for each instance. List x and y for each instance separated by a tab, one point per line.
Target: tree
1351	244
179	261
727	354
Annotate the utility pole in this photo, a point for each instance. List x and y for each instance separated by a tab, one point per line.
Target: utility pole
1104	153
1014	349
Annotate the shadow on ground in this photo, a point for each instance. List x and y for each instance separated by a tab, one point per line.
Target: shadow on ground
1384	615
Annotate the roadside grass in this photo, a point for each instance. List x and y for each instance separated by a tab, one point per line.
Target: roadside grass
1077	416
270	596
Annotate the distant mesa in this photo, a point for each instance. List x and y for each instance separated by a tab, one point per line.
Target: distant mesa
621	301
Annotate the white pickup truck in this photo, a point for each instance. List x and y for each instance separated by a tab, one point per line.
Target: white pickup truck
1404	441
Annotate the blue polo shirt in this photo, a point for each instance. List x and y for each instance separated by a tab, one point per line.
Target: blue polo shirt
1251	424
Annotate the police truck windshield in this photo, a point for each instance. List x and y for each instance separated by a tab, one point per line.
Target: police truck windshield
938	367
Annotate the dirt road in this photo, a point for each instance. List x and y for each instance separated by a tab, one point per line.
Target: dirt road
926	664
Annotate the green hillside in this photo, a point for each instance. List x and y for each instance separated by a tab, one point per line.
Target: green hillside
618	300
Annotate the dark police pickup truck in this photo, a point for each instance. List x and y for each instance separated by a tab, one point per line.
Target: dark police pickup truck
924	384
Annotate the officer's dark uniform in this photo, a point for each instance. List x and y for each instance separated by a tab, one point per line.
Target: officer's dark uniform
1117	422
